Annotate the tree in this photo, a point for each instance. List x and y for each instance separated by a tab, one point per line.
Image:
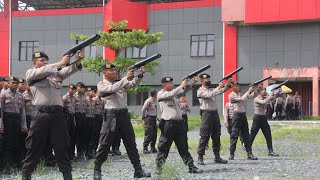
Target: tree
119	39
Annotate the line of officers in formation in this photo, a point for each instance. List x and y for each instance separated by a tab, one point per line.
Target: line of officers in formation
53	124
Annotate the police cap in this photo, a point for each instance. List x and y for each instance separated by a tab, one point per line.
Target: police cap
166	79
108	66
12	78
21	80
204	76
81	84
72	86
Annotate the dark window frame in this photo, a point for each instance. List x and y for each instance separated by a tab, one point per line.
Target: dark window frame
198	41
141	97
132	52
33	47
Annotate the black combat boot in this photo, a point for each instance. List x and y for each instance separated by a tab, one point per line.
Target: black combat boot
200	160
153	149
67	175
117	152
145	150
97	172
231	156
218	159
271	153
139	173
194	169
26	175
251	156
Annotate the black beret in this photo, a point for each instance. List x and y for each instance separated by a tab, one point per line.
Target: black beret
21	81
204	76
39	54
166	79
108	66
72	86
81	84
12	78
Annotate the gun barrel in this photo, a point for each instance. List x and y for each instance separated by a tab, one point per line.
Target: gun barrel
145	61
281	84
82	45
195	73
260	81
231	74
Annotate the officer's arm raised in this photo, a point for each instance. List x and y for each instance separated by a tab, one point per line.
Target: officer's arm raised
112	88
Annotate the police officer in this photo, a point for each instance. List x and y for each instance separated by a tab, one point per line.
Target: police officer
210	121
260	120
28	100
5	84
289	107
278	106
185	109
80	116
171	124
239	122
89	123
69	103
149	116
13	122
117	115
49	119
97	111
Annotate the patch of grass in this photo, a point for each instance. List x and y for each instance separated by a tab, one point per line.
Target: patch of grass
316	118
41	168
169	171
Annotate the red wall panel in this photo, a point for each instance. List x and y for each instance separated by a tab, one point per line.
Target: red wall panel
4	40
268	11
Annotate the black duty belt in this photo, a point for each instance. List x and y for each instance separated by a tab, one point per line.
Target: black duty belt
116	111
49	109
12	114
173	121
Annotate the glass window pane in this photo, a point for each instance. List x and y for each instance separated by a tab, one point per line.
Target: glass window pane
202	48
93	52
210	37
143	52
135	52
29	44
194	38
194	48
210	48
36	44
203	38
29	54
23	54
129	53
24	44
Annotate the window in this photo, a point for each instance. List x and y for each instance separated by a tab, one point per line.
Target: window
202	45
89	51
26	49
136	53
137	99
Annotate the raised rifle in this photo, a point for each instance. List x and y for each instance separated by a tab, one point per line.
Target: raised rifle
231	74
72	52
260	81
139	64
195	73
278	86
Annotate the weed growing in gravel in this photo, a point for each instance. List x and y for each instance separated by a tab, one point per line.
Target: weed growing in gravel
169	171
41	168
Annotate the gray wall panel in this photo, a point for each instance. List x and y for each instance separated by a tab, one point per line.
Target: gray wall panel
161	17
175	31
190	15
310	58
206	14
291	59
175	16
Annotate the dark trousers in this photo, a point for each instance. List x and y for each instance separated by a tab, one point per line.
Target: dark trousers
296	112
96	131
89	124
117	119
278	111
71	127
185	120
289	112
12	138
44	126
150	131
269	111
260	122
80	132
2	162
173	131
116	139
210	127
23	138
239	125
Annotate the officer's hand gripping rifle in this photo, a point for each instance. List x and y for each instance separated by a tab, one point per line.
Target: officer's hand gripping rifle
72	52
278	86
260	81
231	74
139	64
195	73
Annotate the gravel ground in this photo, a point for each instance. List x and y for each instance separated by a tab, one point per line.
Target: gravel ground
297	160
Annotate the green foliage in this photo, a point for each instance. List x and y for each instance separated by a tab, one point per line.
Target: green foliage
118	38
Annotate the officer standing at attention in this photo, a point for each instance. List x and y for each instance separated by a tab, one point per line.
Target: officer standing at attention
289	107
239	122
172	125
149	116
260	119
69	103
49	120
210	121
80	116
28	100
89	123
97	111
12	123
117	115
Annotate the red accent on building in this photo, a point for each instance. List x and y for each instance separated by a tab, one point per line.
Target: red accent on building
233	10
117	10
187	4
230	53
4	43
